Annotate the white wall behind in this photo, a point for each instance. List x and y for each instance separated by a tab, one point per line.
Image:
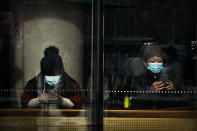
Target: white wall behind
39	29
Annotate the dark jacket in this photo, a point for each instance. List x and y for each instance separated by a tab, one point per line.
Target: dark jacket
69	89
144	95
145	81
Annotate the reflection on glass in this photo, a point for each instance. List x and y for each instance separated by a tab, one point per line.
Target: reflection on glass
163	77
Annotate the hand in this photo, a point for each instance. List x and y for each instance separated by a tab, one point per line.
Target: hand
50	98
44	97
158	85
170	85
54	98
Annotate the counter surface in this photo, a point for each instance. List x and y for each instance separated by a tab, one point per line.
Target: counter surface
107	113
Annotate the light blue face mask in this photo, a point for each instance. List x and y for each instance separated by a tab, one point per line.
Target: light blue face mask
52	80
155	67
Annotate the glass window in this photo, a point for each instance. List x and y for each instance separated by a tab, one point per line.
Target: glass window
149	64
98	65
45	53
150	50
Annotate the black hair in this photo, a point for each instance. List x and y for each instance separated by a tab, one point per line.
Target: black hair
51	63
150	50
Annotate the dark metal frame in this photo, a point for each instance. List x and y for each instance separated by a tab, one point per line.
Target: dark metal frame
96	111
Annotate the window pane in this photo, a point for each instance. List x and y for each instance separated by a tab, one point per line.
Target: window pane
149	65
150	50
45	52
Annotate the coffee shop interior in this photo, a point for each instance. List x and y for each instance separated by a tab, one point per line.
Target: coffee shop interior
100	45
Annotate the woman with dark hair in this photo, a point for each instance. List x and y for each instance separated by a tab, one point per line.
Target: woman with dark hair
154	78
52	87
156	85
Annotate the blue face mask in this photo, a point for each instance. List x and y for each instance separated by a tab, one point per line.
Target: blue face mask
155	67
52	80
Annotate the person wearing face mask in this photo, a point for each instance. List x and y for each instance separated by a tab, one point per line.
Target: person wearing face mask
154	78
155	67
52	87
154	86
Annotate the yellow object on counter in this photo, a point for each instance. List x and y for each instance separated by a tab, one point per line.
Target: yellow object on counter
126	101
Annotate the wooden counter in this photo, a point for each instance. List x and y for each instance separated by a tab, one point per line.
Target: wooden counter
114	120
107	113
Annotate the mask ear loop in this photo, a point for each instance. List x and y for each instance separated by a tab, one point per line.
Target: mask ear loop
56	86
44	85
